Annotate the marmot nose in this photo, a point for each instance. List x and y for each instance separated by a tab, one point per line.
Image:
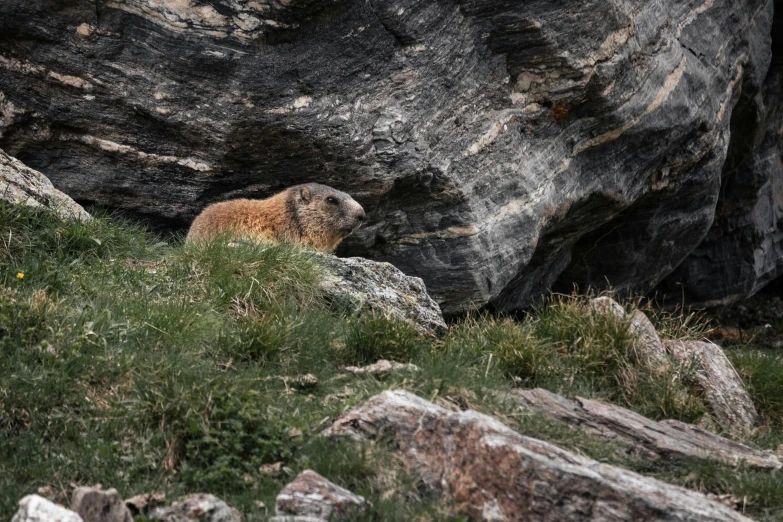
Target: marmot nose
361	216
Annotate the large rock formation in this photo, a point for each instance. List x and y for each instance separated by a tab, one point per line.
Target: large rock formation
744	248
499	147
492	473
666	440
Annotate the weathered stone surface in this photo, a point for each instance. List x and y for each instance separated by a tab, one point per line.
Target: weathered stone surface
667	440
648	345
380	287
311	495
723	389
498	147
607	305
146	501
94	504
493	473
381	367
201	507
33	508
743	250
22	185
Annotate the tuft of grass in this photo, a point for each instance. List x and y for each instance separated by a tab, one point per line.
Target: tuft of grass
223	448
569	348
374	336
762	372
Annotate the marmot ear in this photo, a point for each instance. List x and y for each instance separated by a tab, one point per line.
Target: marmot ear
305	193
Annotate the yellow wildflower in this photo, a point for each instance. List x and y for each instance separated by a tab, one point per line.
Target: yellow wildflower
20	275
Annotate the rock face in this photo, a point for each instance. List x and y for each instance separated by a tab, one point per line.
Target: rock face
668	440
97	505
311	495
22	185
380	287
493	473
743	250
33	508
500	148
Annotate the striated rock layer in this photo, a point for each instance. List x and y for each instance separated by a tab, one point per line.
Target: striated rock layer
743	250
500	148
492	473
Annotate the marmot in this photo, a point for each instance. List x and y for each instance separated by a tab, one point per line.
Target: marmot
311	215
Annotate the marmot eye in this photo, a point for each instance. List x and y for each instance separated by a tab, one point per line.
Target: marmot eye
331	200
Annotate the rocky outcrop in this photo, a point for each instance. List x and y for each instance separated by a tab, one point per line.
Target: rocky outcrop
201	507
714	376
499	148
311	495
667	440
94	504
743	250
717	379
357	283
33	508
22	185
490	472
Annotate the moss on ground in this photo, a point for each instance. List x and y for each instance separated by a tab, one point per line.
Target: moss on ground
151	366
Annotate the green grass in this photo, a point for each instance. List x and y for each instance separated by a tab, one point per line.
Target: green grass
151	366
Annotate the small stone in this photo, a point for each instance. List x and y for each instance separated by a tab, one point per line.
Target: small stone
201	507
311	495
605	304
96	505
145	501
49	492
381	367
307	380
294	433
33	508
271	469
727	499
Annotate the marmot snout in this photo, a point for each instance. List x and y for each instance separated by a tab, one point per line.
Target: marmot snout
312	215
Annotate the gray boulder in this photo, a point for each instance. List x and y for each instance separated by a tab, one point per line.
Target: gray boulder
94	504
380	287
22	185
311	495
33	508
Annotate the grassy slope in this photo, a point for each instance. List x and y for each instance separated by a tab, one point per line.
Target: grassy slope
147	366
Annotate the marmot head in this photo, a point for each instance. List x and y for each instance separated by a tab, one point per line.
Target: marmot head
325	213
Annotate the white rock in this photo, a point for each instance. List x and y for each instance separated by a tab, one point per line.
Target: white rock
33	508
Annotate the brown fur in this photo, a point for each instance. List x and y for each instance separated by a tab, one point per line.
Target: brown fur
304	214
